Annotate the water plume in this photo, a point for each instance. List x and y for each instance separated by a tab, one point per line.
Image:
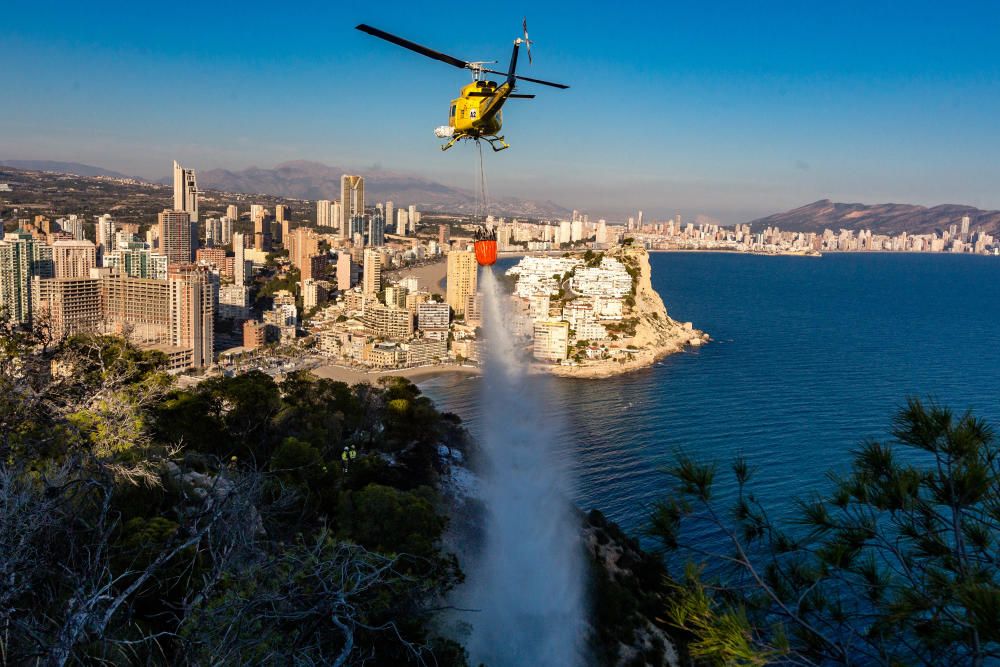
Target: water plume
528	582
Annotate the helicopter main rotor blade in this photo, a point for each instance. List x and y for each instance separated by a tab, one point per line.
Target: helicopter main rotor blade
412	46
528	78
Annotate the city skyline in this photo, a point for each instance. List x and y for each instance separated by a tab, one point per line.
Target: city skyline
749	110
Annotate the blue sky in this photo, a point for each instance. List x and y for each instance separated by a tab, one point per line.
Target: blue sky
728	109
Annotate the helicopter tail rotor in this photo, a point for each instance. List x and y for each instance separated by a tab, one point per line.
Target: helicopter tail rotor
527	42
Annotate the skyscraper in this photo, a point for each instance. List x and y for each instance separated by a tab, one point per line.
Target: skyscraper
372	282
23	260
227	230
344	271
965	228
185	192
303	245
105	235
175	236
352	200
462	277
390	220
413	218
324	210
376	229
232	212
280	213
337	215
192	312
401	222
241	268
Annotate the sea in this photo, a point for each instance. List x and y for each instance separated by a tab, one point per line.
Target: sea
809	358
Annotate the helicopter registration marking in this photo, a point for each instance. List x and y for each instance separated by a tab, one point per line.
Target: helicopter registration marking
472	113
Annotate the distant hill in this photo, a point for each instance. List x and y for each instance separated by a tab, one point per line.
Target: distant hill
61	167
880	218
313	180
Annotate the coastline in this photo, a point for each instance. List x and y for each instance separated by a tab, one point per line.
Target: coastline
657	335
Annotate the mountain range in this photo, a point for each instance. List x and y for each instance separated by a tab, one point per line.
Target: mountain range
880	218
61	168
312	180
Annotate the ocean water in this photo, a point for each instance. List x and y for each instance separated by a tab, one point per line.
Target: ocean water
810	357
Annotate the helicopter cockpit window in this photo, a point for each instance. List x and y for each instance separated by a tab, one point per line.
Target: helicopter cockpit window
452	114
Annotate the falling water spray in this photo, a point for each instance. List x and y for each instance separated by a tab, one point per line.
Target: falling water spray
528	584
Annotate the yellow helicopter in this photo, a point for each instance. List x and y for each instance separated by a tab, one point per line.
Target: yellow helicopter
475	113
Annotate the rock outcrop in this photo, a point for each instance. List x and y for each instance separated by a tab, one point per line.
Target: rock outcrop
656	333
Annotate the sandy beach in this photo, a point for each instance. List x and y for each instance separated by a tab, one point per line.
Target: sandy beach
430	276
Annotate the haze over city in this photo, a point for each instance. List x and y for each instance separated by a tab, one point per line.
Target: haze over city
734	110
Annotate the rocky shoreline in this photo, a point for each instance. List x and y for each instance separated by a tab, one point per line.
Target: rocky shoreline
657	335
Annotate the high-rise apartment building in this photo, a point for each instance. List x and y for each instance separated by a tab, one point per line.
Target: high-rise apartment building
185	192
136	259
388	321
433	319
242	268
73	259
232	212
105	235
23	261
175	236
389	218
372	281
337	216
345	271
303	246
280	213
462	279
192	312
71	305
376	230
551	340
324	211
352	201
401	222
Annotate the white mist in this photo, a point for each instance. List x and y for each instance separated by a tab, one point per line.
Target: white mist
528	584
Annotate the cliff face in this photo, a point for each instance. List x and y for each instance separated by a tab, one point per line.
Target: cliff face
628	598
656	333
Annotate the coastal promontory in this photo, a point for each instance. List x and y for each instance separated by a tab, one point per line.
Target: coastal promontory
595	315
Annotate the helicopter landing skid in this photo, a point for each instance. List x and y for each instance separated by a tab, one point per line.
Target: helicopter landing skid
494	141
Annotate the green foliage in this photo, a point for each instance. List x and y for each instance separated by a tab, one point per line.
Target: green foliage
387	520
896	565
149	524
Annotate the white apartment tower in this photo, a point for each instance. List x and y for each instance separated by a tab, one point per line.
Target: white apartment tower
240	269
105	234
323	210
372	281
185	191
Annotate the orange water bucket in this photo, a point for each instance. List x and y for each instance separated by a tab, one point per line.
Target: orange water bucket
486	252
